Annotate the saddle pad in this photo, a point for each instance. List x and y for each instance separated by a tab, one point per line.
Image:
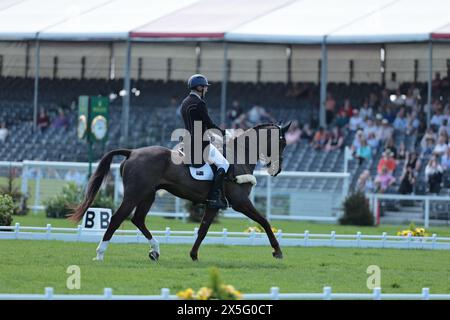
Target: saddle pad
203	173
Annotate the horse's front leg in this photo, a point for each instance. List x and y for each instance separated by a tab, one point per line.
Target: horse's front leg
207	219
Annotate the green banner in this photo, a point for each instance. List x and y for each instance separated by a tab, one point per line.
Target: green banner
83	115
99	118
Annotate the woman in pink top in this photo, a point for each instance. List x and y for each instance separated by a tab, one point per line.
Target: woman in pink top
384	180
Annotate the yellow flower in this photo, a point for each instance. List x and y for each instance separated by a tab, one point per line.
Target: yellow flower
274	230
419	231
187	294
229	289
204	293
251	229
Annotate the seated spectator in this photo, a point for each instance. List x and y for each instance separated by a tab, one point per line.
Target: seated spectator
234	113
357	141
413	162
60	121
3	132
355	122
292	136
407	181
400	122
364	152
341	120
43	121
330	108
365	183
365	111
390	145
433	175
402	153
429	147
307	133
384	180
347	108
445	127
370	128
335	141
385	132
320	139
429	134
258	114
441	146
445	160
438	118
413	123
373	142
387	161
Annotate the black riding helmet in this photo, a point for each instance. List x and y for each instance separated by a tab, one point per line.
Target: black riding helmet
197	80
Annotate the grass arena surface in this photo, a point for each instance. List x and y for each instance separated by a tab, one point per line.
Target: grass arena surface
30	266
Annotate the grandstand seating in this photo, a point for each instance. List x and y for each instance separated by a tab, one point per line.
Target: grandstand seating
151	123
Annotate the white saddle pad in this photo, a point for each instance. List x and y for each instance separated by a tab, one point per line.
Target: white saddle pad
203	173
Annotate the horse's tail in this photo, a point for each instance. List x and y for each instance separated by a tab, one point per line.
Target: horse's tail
95	182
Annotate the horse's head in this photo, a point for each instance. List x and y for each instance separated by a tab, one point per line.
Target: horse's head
274	161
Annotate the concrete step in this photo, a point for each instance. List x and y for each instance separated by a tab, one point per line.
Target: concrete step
417	222
404	214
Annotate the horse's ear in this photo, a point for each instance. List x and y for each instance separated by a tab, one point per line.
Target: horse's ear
286	128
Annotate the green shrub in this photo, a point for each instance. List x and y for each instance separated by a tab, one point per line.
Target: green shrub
357	211
60	206
19	199
6	209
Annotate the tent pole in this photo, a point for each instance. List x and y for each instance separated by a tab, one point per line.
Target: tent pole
223	93
37	63
323	83
126	97
430	81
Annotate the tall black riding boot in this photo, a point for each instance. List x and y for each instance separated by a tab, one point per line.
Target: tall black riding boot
216	200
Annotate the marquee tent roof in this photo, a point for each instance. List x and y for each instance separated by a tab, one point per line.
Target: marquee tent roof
276	21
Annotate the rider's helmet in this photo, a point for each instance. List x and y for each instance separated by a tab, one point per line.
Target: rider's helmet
197	80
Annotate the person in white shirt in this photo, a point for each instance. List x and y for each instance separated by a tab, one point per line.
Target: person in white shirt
437	118
441	146
3	132
445	160
356	122
370	128
365	111
385	132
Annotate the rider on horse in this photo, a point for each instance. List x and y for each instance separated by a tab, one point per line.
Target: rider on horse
193	108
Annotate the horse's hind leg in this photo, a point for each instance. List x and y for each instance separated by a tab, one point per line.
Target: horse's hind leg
116	220
208	217
247	208
139	221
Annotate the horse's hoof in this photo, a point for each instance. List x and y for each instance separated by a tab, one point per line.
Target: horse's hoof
153	255
278	255
194	256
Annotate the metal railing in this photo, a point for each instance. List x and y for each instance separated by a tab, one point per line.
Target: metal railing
225	237
274	294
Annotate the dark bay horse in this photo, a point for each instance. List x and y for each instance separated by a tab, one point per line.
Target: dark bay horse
146	170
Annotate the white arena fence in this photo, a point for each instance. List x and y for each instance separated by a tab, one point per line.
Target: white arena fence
312	196
428	201
225	237
274	294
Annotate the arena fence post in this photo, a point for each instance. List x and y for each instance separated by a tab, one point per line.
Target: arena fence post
427	213
269	197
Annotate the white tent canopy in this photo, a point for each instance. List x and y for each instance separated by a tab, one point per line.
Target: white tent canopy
297	21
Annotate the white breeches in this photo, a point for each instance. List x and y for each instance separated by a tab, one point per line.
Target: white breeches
217	158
